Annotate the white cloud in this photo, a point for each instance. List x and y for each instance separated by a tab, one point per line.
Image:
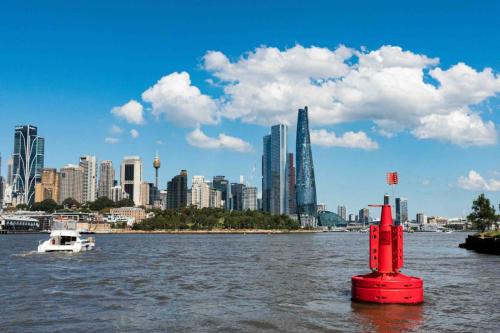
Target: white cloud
115	130
199	139
180	102
347	140
132	112
475	182
111	140
134	133
160	142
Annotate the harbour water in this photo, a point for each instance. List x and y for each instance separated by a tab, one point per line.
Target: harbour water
227	283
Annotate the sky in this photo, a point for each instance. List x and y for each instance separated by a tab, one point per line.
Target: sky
412	88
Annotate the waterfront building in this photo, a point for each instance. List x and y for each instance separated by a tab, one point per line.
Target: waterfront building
137	213
177	191
352	217
18	223
200	192
89	166
131	178
274	170
106	179
71	183
401	211
364	216
28	158
342	212
292	196
48	188
331	220
224	186
306	183
421	218
237	196
249	198
117	193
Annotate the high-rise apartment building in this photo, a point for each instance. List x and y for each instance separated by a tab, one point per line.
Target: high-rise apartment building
71	178
306	183
224	186
342	212
274	170
364	216
48	188
215	198
106	179
131	178
421	218
28	158
200	192
89	166
249	198
401	211
237	196
117	193
177	191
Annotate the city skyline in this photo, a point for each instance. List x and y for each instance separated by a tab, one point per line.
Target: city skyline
85	89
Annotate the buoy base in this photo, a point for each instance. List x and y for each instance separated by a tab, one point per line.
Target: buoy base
387	288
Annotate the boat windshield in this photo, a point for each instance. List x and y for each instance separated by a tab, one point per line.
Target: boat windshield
64	225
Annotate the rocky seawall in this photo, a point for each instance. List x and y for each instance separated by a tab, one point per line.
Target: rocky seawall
490	245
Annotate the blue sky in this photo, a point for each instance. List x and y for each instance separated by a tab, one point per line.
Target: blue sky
64	67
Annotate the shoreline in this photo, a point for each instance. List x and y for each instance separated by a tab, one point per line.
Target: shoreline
215	231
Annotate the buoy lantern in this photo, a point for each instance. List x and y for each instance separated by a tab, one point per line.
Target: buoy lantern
386	285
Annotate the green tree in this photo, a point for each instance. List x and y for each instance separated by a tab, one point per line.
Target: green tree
47	205
22	207
100	204
125	203
70	203
483	213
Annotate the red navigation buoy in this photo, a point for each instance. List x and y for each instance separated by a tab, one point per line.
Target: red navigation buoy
386	284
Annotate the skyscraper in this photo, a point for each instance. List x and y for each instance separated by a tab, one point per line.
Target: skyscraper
200	192
292	195
10	167
364	216
27	164
89	165
177	191
306	184
342	212
131	178
48	188
401	211
106	179
215	198
237	195
249	198
71	181
274	170
224	186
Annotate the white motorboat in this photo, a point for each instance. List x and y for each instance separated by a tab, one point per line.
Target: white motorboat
65	238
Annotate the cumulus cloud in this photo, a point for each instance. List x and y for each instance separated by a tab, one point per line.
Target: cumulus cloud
131	112
475	182
134	133
180	102
199	139
111	140
348	140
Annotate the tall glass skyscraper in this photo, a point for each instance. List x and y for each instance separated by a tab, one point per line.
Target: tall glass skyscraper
305	183
274	171
401	211
28	160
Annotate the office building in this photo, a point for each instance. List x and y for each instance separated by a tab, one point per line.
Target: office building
131	178
48	188
117	193
342	212
89	165
292	195
71	180
27	164
249	198
401	211
215	198
106	179
352	218
223	185
364	216
421	218
237	196
177	191
200	192
305	183
145	191
274	170
321	207
10	170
